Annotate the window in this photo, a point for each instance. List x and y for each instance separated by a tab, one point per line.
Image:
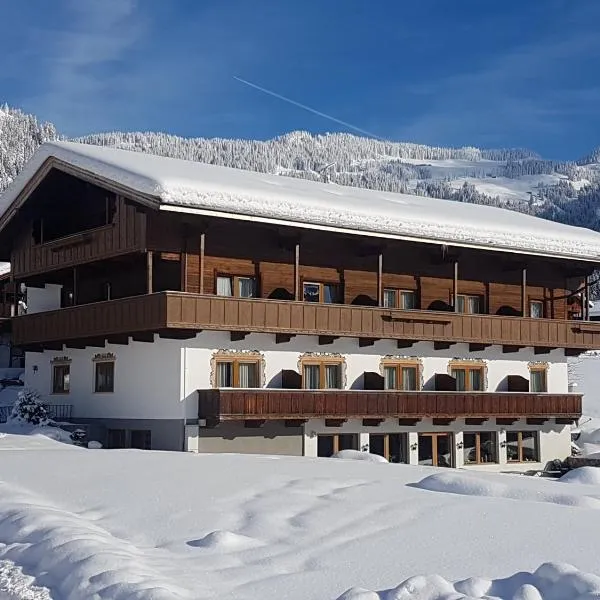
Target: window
105	377
403	299
479	447
321	375
141	439
401	376
538	380
469	304
237	373
328	293
468	378
328	445
61	379
522	446
536	309
238	287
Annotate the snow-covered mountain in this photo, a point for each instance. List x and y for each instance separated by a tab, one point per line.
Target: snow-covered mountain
566	191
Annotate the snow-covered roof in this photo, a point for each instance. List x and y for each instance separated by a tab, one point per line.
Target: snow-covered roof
189	186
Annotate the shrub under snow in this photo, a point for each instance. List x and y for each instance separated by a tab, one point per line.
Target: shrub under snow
28	409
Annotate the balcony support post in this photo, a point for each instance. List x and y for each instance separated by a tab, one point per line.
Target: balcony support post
149	269
75	286
585	309
524	293
202	247
455	287
380	279
297	272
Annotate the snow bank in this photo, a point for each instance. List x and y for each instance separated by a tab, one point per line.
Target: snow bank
358	455
472	485
243	194
585	475
74	557
225	540
551	581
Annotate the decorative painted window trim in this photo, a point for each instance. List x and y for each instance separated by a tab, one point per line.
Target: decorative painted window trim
240	355
104	357
324	357
470	363
390	360
61	360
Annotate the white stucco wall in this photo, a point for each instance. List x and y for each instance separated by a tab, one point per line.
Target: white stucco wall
147	381
159	380
43	299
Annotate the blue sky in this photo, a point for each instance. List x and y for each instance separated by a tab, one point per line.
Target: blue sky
446	72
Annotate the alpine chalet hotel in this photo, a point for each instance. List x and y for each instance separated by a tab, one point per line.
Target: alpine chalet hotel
182	306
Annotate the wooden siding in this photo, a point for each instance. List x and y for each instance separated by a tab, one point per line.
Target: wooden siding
184	311
124	235
306	404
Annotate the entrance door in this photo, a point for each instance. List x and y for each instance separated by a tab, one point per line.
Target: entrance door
435	449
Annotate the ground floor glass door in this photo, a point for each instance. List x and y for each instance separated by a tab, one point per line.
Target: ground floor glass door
435	449
327	445
392	446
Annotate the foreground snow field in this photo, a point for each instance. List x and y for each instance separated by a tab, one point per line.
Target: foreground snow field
125	524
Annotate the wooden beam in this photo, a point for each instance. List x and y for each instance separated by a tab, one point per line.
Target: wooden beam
334	422
409	422
364	342
506	420
254	423
202	252
565	420
294	422
283	338
372	422
542	350
143	336
585	309
442	345
507	349
75	286
149	274
475	420
443	422
238	336
52	346
325	340
574	351
478	347
97	342
405	343
178	334
297	272
118	339
380	279
536	421
455	287
79	345
524	292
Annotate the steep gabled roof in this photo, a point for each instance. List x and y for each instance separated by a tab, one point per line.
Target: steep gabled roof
186	186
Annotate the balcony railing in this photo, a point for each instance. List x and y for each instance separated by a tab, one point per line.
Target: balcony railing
185	312
270	404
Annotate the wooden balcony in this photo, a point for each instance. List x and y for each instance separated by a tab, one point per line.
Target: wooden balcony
180	314
272	404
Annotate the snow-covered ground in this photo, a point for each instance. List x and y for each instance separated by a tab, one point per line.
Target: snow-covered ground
126	524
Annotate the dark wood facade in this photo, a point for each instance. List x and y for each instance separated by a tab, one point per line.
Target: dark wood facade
112	254
270	404
186	314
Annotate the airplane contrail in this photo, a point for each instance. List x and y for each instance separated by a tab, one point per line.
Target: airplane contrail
308	108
